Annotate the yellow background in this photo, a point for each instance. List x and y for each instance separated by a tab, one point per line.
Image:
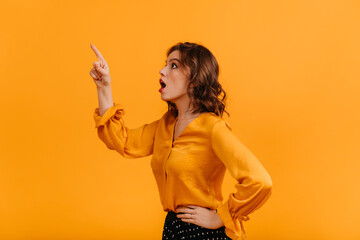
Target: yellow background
291	71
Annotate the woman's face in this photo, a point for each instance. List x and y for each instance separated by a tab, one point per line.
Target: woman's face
174	79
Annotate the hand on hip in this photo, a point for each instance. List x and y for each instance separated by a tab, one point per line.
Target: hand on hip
200	216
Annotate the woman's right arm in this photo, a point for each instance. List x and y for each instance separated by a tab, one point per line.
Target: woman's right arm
101	76
130	143
105	99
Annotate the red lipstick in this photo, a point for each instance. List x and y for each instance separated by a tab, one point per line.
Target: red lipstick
163	85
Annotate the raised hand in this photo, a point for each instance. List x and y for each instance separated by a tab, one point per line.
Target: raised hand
100	72
200	216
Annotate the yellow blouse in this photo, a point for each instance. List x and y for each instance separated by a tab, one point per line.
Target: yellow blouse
190	170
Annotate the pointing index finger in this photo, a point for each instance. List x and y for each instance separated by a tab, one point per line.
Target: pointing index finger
97	53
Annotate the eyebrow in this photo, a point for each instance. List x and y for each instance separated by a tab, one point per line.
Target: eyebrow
173	59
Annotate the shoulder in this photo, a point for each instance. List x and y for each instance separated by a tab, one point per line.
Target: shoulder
167	118
210	120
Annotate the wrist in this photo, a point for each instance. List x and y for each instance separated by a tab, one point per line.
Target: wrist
104	89
220	221
105	92
105	99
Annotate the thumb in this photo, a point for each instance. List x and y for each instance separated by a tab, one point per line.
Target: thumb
99	68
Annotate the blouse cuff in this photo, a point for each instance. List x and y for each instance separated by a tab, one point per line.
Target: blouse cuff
117	112
224	213
235	230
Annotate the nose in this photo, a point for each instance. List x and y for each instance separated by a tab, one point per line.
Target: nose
162	72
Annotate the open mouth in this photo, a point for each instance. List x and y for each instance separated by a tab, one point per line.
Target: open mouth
163	85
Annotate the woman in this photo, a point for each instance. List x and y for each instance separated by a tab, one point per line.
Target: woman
192	146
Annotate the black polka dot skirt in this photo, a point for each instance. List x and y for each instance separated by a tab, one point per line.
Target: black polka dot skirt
174	228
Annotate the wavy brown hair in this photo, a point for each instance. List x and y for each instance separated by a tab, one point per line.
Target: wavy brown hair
205	92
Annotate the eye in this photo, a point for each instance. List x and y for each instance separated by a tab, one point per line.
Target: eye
173	64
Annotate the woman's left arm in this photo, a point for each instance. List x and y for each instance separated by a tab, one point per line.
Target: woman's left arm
253	181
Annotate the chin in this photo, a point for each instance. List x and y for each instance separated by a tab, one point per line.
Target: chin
164	98
172	99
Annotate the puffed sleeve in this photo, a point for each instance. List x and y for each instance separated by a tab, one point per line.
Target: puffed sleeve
253	185
130	143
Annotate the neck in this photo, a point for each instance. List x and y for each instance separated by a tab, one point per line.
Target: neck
185	110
